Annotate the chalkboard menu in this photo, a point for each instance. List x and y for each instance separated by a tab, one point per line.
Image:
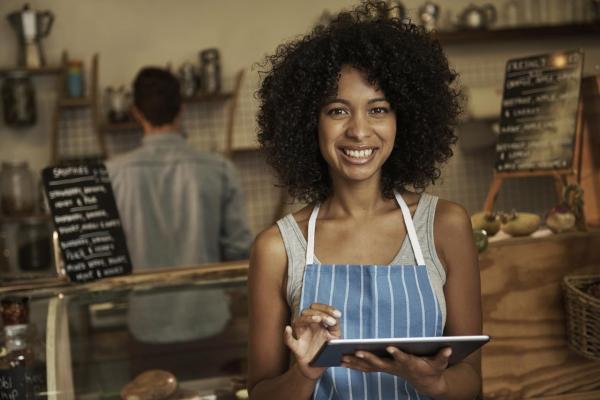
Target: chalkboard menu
538	119
87	221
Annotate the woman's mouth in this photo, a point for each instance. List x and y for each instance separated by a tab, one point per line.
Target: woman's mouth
358	156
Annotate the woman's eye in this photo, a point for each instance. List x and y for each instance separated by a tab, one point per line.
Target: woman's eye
334	112
379	110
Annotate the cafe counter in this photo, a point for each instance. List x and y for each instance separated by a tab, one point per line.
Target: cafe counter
91	353
94	338
524	313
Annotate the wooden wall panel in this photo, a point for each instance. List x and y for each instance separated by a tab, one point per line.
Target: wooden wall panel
524	314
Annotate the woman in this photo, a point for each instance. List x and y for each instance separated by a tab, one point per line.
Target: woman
356	118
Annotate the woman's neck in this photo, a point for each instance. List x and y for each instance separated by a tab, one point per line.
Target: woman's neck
356	201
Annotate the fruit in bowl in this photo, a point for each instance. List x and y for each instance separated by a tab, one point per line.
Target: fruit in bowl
520	223
561	219
487	221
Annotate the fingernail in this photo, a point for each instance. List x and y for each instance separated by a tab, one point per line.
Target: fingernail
316	318
360	355
345	360
448	352
337	313
330	321
390	350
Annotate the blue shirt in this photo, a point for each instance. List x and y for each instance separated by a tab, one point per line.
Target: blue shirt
178	207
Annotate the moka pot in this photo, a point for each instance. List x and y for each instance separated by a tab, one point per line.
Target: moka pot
31	26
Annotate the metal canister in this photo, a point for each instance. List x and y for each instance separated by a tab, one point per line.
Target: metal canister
211	71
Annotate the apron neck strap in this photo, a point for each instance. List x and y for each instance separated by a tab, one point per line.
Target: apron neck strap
410	230
310	245
408	222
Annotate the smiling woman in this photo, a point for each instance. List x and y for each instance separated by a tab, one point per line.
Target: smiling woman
356	118
357	128
407	66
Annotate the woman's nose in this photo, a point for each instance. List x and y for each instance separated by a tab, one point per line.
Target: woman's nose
358	127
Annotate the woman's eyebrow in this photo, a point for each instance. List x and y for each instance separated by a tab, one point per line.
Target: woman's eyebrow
344	101
376	100
336	100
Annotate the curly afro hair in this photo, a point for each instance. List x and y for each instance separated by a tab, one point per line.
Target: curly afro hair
400	58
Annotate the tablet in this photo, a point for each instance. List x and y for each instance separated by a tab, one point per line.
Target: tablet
331	353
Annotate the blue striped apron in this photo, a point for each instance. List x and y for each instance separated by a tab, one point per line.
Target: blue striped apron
376	301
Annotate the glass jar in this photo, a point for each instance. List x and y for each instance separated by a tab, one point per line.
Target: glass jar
18	99
35	244
75	79
17	197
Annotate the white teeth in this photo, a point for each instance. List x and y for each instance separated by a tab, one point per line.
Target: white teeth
358	153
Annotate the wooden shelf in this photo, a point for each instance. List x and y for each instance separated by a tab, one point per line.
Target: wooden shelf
205	98
32	71
24	219
75	102
116	127
522	33
81	159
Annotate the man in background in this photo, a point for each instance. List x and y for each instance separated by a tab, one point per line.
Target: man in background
179	207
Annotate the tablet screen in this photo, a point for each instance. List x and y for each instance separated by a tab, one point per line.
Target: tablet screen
331	353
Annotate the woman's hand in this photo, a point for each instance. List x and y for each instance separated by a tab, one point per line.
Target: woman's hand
425	374
315	325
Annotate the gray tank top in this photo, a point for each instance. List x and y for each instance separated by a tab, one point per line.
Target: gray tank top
295	247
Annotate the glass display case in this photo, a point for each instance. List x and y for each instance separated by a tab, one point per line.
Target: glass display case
96	338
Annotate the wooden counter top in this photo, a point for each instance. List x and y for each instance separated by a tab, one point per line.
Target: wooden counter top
142	278
523	312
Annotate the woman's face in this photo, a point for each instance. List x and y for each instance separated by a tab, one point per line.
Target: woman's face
357	129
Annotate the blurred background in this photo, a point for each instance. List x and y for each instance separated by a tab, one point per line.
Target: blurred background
127	35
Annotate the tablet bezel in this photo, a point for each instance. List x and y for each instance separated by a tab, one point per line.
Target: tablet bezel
331	352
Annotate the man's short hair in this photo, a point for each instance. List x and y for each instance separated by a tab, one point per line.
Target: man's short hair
156	95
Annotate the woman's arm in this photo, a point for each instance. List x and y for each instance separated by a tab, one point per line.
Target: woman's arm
453	235
269	374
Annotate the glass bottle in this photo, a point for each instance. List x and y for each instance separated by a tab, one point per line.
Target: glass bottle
34	239
18	99
22	375
17	189
4	260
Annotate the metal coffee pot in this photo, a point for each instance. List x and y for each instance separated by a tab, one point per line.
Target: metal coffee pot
118	101
429	14
477	17
31	26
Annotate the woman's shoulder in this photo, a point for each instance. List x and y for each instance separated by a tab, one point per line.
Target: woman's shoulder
449	214
452	226
268	258
269	241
